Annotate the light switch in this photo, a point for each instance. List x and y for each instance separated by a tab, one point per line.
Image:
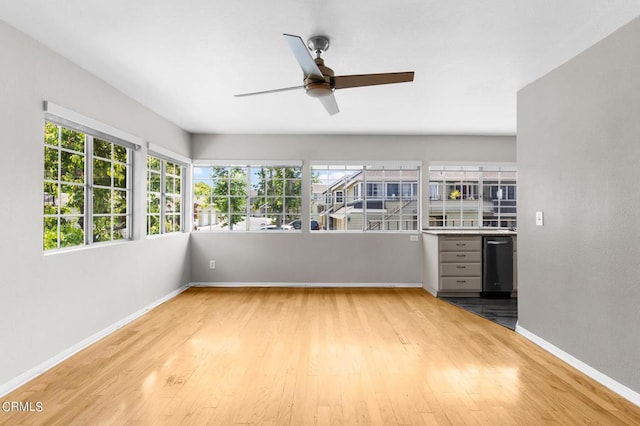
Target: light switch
539	219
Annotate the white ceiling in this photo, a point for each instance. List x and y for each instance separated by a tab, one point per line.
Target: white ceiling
186	59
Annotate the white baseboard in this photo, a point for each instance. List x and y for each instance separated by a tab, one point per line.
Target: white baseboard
34	372
309	285
596	375
431	291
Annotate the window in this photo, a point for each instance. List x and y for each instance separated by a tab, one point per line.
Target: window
87	189
390	201
247	198
472	196
374	190
164	196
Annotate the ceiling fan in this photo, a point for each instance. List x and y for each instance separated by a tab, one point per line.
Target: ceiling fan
319	80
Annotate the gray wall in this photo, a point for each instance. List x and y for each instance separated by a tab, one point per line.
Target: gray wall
578	151
50	303
321	257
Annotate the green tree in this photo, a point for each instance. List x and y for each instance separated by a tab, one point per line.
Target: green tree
154	170
229	194
65	154
278	191
64	192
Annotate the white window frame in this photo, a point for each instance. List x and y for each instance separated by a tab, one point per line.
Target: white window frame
362	193
166	156
252	164
448	207
92	129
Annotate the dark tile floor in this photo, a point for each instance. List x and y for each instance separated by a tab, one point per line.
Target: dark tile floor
500	311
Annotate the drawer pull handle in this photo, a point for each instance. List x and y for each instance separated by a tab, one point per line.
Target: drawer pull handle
461	267
461	281
461	255
461	244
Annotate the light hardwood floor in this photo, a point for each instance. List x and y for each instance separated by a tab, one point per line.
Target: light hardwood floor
315	356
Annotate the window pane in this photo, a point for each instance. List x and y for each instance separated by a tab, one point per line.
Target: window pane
169	184
120	228
101	201
65	192
102	148
153	163
72	140
119	153
50	198
101	172
172	224
50	233
176	204
237	205
51	134
51	163
154	182
153	225
71	232
101	228
153	203
71	199
222	202
471	196
120	175
119	202
393	190
72	167
364	198
237	223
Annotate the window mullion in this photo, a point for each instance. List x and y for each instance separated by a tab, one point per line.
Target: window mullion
247	202
480	198
365	199
129	191
88	201
59	188
163	196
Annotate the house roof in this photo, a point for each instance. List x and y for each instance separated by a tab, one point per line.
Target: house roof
376	175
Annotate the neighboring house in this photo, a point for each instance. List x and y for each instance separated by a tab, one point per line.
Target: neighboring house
371	200
472	199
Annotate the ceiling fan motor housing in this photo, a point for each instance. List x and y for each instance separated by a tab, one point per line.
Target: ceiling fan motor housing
319	88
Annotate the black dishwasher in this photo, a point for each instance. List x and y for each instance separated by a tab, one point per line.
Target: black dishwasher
497	267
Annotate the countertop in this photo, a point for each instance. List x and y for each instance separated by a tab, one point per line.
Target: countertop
469	232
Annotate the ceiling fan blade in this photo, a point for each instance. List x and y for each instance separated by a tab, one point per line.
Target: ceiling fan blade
359	80
284	89
303	56
329	103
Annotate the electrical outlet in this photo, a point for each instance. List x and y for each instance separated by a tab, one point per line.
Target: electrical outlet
413	238
539	219
212	264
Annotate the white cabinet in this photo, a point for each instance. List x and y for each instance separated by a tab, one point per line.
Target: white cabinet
460	263
453	263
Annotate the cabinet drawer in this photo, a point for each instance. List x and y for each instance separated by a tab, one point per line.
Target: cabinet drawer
461	256
460	269
471	244
461	284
